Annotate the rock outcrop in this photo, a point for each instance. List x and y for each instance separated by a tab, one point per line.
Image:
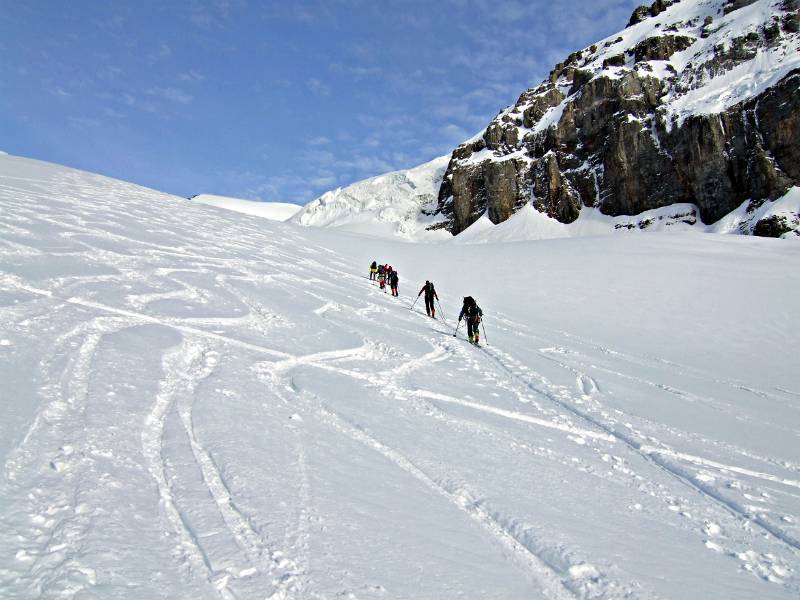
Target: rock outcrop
655	116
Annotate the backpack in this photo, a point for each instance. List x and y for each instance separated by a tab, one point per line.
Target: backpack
429	289
469	302
374	265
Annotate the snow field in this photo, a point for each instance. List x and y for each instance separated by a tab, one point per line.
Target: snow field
209	405
275	211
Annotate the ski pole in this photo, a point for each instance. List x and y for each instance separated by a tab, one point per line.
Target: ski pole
485	339
440	310
457	326
413	305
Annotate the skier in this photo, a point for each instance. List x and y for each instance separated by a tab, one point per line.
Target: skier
382	278
430	294
373	271
472	314
393	281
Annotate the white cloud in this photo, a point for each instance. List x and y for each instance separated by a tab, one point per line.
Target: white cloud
170	93
319	140
317	87
191	76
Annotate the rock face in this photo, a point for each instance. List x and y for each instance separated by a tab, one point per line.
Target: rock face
654	116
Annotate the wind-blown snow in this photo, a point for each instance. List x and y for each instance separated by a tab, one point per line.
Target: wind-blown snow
391	205
276	211
200	404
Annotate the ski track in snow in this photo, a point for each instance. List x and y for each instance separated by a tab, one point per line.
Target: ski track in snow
48	470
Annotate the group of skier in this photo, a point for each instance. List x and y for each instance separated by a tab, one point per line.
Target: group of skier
384	274
471	313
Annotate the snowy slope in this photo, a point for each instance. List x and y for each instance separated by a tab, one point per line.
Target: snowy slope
529	224
204	404
390	205
276	211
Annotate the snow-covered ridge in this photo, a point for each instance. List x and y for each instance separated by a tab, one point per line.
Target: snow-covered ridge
393	205
275	211
709	56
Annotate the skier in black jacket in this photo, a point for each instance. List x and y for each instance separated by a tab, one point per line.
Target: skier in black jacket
472	314
393	281
430	294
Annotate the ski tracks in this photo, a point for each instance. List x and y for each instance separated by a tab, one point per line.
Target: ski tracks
665	458
49	522
459	497
184	369
563	580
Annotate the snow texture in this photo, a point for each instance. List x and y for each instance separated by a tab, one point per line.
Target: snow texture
276	211
205	404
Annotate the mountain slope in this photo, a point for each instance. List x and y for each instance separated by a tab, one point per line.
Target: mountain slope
695	102
205	404
397	204
276	211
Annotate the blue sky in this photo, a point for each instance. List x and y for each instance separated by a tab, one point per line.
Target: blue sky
277	101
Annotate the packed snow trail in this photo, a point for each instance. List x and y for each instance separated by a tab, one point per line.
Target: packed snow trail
203	404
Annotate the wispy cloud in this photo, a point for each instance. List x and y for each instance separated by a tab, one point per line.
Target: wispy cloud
171	94
59	91
319	140
191	76
317	87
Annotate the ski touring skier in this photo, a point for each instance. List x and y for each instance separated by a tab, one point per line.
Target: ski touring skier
430	295
472	314
393	281
373	271
382	278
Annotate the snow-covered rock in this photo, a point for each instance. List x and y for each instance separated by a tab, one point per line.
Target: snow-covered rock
695	102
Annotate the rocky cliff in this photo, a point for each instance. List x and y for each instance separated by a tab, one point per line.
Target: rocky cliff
696	101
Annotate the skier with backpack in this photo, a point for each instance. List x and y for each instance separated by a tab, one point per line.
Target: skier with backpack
373	271
382	278
430	294
472	314
393	281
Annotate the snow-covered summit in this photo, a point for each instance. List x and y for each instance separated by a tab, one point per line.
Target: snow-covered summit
396	204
